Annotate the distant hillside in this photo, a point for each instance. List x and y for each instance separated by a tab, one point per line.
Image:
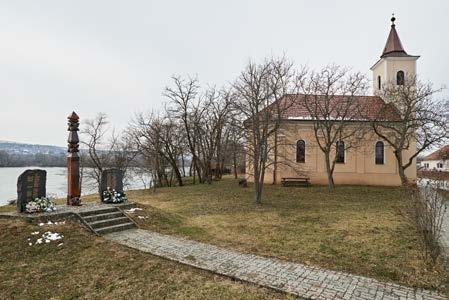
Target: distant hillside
21	148
14	154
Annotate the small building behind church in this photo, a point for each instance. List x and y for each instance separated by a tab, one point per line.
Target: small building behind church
437	160
373	163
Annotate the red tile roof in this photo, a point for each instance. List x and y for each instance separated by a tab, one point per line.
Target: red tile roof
366	108
442	153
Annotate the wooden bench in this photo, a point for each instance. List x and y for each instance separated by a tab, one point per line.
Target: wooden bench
296	181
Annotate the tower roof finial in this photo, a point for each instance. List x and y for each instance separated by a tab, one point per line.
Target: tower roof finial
393	47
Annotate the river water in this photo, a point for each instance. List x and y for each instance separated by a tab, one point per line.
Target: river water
56	183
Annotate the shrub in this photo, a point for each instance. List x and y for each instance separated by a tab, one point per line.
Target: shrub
427	209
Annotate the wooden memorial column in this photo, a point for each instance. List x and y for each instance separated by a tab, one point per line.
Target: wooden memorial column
73	162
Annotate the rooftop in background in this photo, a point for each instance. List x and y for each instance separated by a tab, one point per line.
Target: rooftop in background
369	108
440	154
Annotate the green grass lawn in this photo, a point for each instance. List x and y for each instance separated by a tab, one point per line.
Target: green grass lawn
357	229
88	267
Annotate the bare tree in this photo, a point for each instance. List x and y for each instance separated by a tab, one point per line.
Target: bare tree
258	90
212	129
122	152
160	141
235	150
95	139
332	102
204	117
184	106
421	121
171	135
105	149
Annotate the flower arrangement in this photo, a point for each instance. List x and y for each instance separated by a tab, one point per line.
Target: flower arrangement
112	196
42	204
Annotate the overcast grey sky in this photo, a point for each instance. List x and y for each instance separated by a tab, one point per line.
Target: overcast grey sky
117	56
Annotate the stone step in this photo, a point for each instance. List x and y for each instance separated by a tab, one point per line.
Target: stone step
106	216
98	211
109	222
115	228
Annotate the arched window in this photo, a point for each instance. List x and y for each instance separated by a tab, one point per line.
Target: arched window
380	153
300	151
379	82
340	152
400	78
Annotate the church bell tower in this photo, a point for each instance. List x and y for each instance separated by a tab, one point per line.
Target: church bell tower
394	65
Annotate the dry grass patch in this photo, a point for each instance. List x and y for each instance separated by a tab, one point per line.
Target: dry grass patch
356	229
89	267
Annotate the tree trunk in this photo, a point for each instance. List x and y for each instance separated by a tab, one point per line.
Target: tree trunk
258	191
222	167
330	178
183	165
401	169
275	164
257	183
178	177
234	161
209	172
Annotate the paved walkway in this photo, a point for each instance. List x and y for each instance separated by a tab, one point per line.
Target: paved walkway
304	281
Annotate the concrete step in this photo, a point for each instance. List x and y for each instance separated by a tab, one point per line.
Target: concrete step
98	211
106	216
109	222
115	228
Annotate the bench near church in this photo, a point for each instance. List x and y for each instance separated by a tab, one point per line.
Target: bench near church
295	181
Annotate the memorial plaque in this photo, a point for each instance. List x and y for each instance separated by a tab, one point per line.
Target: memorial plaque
31	184
112	179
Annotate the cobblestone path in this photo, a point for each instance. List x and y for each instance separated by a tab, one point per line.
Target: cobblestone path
304	281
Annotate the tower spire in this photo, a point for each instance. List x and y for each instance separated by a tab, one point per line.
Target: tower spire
393	47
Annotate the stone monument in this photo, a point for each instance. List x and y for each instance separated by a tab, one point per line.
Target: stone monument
31	184
112	179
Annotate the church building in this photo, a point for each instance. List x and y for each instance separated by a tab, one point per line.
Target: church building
373	163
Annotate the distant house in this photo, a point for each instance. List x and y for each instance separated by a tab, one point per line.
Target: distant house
437	161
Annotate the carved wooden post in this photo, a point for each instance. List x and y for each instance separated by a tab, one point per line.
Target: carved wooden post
73	162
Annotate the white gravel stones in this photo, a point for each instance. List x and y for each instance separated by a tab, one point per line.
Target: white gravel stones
51	223
131	210
46	238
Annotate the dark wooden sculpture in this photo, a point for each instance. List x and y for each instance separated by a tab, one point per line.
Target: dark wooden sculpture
73	162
